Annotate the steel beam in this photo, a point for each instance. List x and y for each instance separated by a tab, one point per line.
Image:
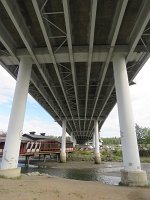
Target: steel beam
36	7
139	27
82	118
7	41
92	30
120	10
69	40
23	31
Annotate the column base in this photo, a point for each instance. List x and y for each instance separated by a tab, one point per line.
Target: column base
10	173
62	157
133	178
97	158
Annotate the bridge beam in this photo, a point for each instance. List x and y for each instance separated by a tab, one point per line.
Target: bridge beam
132	173
63	142
97	153
13	138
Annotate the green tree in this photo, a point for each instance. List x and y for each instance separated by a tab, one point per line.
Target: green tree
143	134
110	141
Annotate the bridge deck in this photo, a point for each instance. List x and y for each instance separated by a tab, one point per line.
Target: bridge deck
72	44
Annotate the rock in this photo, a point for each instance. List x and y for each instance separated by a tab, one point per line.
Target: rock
33	174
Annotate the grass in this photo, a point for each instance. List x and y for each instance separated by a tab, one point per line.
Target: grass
145	159
15	178
106	155
88	155
81	155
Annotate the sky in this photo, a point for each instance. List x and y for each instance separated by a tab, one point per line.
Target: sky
37	119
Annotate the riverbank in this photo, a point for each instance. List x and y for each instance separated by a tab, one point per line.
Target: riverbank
106	172
54	188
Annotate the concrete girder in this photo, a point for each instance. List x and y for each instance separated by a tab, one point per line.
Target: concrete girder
80	55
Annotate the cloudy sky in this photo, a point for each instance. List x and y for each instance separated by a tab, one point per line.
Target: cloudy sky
37	119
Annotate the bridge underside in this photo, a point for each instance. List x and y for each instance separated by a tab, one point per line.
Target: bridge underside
72	44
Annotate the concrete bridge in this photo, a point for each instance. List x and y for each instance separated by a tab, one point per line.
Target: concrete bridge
75	58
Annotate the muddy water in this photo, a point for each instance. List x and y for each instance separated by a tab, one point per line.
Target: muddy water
108	173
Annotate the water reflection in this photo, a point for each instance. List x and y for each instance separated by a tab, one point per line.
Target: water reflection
85	174
105	173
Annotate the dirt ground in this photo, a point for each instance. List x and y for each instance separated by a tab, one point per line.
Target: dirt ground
54	188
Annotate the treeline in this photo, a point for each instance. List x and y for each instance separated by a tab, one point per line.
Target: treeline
143	137
58	138
143	134
110	141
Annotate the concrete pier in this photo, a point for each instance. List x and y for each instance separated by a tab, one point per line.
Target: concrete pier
97	152
132	173
63	142
13	139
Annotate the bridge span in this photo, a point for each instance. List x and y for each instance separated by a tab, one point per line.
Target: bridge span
75	58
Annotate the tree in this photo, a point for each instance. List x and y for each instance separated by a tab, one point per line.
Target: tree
143	134
110	141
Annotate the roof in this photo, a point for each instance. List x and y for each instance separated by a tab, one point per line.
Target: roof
23	138
36	137
72	44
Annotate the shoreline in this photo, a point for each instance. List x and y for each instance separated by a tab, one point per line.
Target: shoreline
56	188
37	187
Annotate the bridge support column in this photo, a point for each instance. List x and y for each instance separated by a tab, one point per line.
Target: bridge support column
63	142
97	153
74	141
72	137
93	140
14	133
132	173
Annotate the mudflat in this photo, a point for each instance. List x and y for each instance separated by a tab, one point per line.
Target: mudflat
55	188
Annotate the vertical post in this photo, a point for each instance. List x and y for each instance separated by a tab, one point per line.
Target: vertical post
132	172
97	152
44	158
94	140
63	143
74	141
27	161
14	132
71	137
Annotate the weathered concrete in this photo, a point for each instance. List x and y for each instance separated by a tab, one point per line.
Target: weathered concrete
97	158
131	160
97	152
15	126
62	157
63	142
10	173
133	178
